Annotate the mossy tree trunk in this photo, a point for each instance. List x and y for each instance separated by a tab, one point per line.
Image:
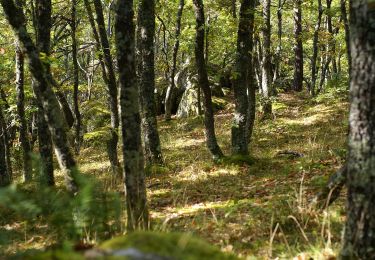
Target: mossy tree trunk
111	85
171	87
241	79
203	82
359	238
43	39
136	199
146	33
298	47
45	94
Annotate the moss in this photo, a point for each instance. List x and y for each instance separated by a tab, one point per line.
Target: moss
175	245
57	255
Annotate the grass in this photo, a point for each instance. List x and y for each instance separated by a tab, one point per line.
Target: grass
256	207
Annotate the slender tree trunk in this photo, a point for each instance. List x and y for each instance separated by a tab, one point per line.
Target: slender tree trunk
44	93
241	81
203	82
5	177
332	41
146	27
315	49
359	238
251	86
276	74
266	60
344	16
298	47
43	39
171	87
73	26
112	87
26	150
136	199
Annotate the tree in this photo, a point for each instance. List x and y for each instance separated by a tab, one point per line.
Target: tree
25	144
43	42
77	113
298	47
209	120
111	85
5	177
344	15
171	87
136	200
359	238
146	33
315	49
266	60
44	94
241	79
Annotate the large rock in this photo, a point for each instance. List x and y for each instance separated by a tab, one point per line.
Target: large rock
189	104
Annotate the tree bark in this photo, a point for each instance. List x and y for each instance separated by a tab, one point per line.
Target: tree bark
315	49
241	79
43	41
73	27
203	82
344	16
136	199
146	28
332	41
111	85
5	177
171	87
44	93
298	47
24	140
266	61
359	238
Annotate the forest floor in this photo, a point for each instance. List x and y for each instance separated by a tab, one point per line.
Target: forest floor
254	207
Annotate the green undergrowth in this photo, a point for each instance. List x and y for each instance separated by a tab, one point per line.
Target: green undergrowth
255	206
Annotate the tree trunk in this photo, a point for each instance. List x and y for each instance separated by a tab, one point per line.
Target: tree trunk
315	49
112	87
43	39
146	27
359	238
4	174
344	16
241	81
73	26
25	144
332	41
44	93
136	199
203	82
266	61
171	88
298	47
251	86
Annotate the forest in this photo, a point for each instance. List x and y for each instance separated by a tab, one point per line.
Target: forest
187	129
